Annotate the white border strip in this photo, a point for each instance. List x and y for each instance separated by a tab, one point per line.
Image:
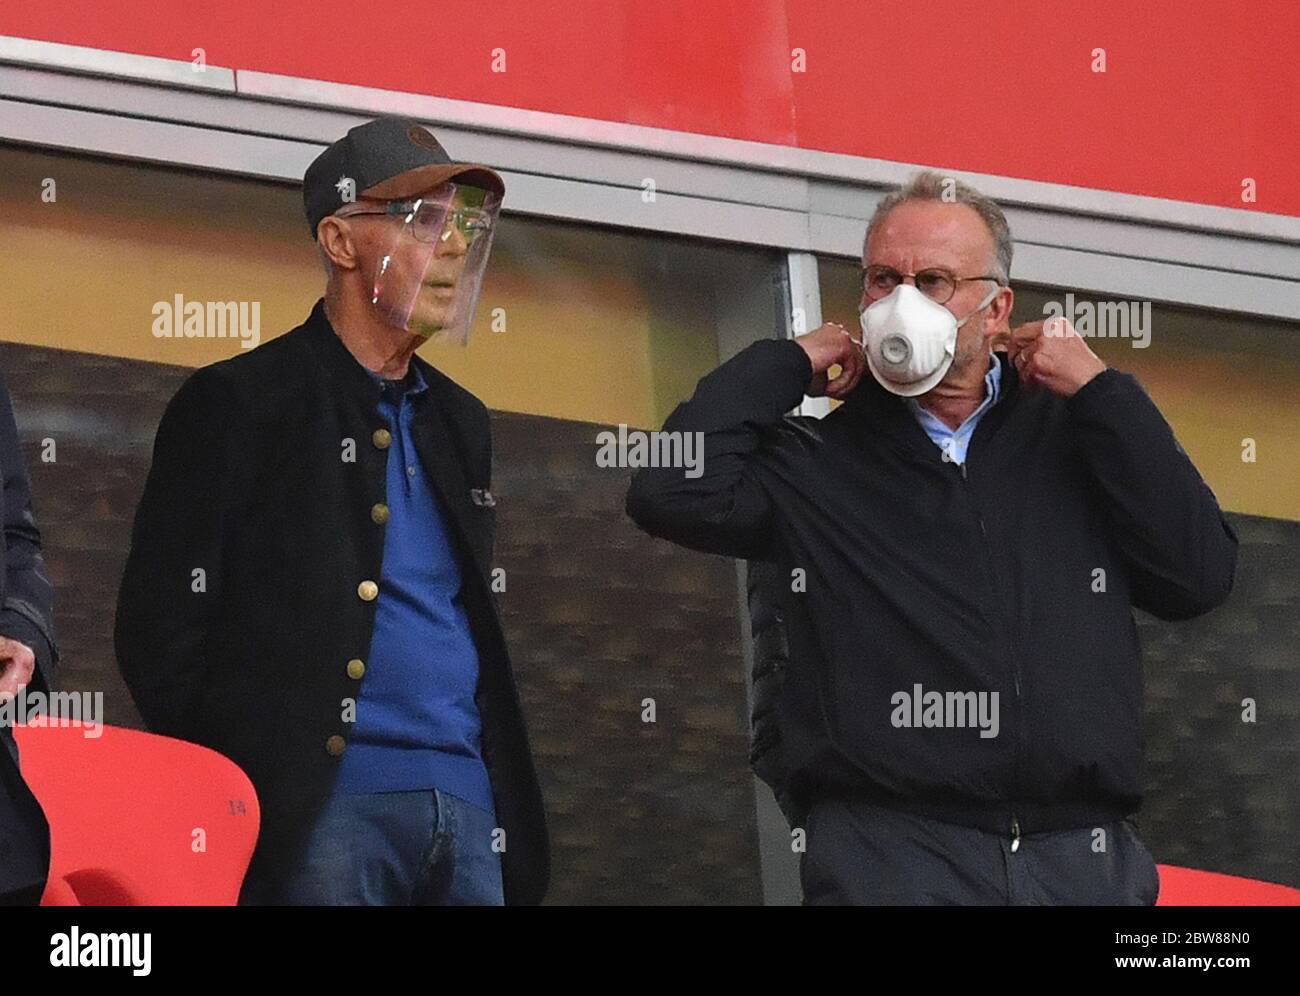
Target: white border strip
123	65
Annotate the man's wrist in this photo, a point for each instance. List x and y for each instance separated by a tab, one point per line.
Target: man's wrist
803	350
1087	379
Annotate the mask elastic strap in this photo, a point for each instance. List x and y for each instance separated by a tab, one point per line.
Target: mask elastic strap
983	304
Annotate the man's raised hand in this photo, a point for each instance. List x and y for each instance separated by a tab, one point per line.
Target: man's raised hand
829	346
1053	355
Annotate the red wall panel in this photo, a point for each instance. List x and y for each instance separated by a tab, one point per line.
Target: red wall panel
1197	95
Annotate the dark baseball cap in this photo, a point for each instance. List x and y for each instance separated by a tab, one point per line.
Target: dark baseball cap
388	158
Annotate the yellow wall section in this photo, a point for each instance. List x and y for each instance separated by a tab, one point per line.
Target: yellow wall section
601	326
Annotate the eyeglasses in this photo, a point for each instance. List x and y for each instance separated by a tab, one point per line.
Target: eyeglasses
431	221
936	283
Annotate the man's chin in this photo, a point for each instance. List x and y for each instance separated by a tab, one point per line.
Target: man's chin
425	330
965	361
428	323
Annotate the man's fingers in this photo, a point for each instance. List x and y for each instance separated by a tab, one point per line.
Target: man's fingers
11	678
827	346
831	345
852	364
1043	365
1058	328
1023	360
859	368
17	665
842	384
1036	365
1022	335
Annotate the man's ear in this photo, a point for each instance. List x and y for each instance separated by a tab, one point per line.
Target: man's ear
337	242
997	323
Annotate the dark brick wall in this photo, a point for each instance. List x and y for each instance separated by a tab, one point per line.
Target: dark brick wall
1221	793
599	618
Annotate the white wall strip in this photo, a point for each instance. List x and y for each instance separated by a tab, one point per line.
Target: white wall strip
805	314
102	62
756	155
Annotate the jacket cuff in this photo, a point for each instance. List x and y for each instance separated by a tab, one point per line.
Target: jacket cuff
1104	387
788	371
803	363
16	626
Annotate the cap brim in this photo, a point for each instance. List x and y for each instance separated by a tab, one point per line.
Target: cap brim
425	178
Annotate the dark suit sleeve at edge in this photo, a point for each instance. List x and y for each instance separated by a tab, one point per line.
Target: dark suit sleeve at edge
717	507
1166	523
27	612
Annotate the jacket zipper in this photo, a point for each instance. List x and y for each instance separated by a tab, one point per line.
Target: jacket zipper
1015	661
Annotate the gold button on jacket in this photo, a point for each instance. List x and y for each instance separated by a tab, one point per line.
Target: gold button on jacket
356	668
381	438
379	513
334	745
368	591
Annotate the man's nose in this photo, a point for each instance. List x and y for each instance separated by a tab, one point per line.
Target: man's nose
450	241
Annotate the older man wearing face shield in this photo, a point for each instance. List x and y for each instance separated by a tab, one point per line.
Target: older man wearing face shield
950	561
307	589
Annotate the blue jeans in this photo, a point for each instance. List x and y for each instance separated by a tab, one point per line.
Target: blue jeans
424	848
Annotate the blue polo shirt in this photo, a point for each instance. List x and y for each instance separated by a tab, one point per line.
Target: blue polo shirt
956	441
417	725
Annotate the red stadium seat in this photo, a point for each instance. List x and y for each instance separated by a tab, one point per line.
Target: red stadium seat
138	819
1189	887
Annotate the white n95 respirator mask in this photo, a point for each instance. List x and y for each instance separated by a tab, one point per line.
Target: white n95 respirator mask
910	340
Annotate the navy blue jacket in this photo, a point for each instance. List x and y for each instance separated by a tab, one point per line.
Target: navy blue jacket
1015	573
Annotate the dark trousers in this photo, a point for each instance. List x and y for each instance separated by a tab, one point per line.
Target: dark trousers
24	837
862	854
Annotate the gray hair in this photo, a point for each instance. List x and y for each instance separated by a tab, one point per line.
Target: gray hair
931	186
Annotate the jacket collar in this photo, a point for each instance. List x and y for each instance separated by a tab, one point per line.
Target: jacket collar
879	411
346	368
439	436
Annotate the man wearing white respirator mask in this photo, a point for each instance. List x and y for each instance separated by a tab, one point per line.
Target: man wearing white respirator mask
959	720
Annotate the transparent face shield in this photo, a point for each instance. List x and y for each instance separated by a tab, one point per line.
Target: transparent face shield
428	280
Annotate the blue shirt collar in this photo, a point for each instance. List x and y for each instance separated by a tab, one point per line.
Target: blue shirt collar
410	386
993	379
